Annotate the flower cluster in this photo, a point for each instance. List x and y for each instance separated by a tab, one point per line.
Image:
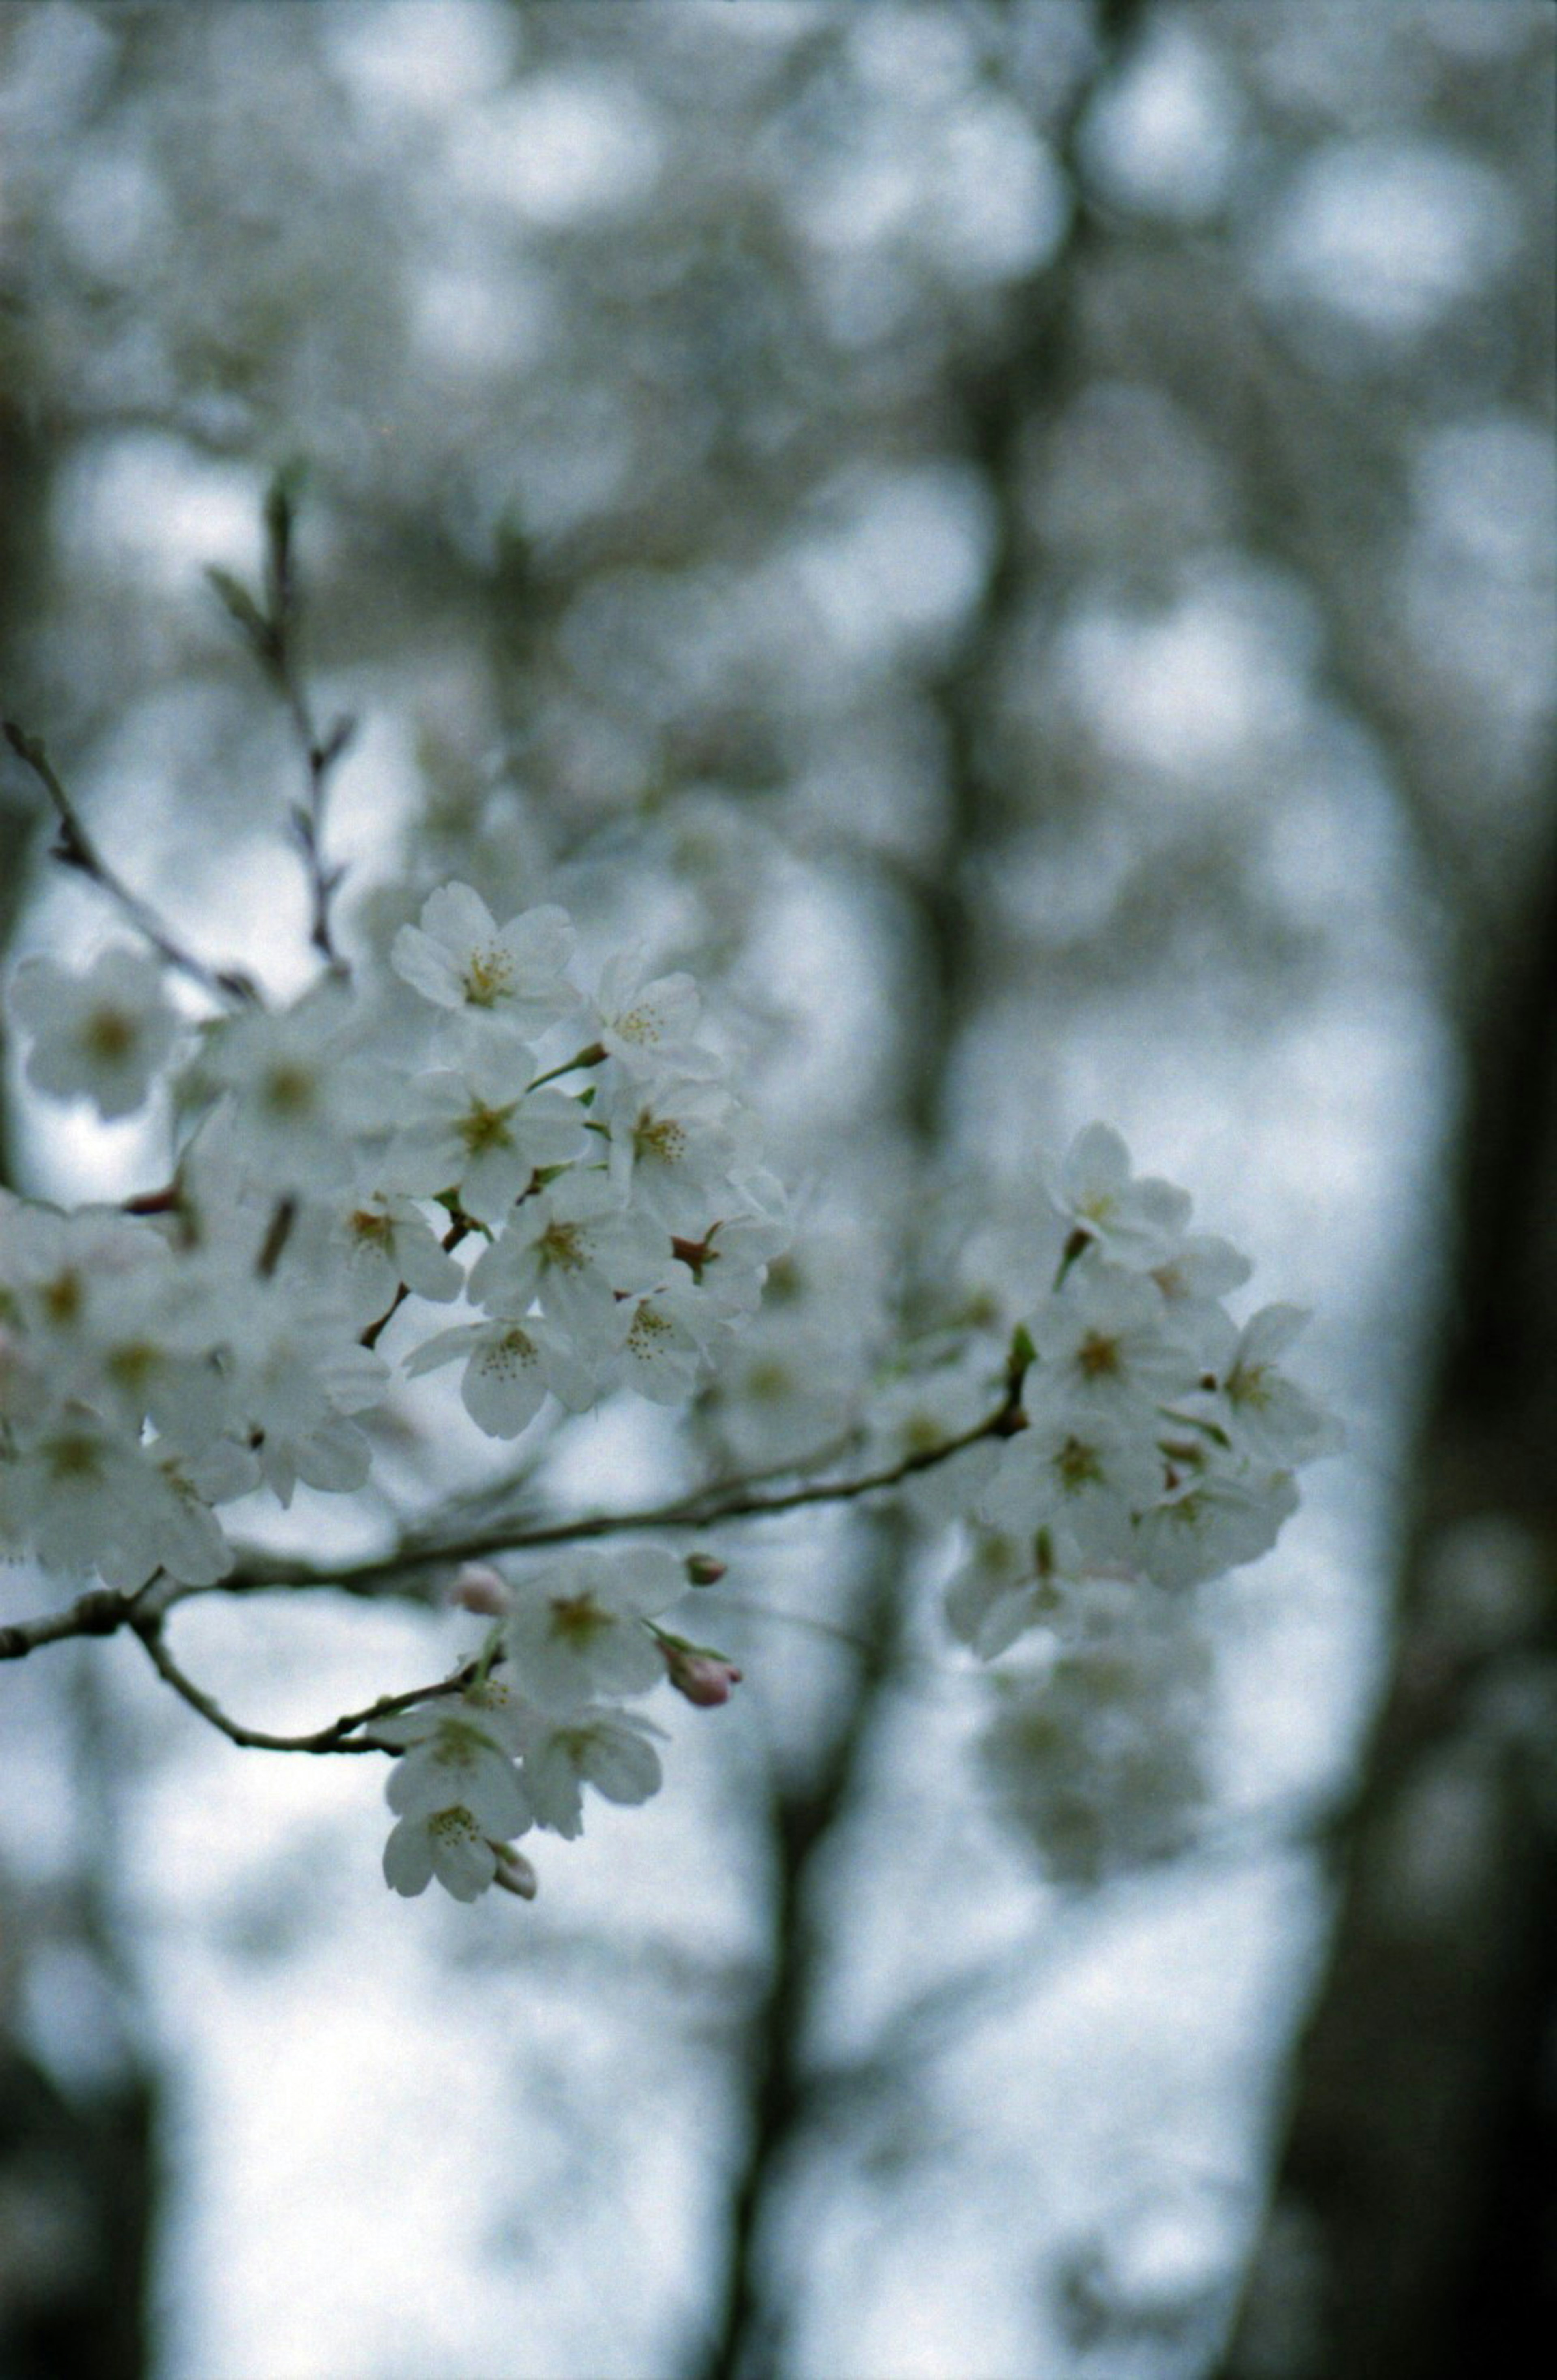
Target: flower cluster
1159	1439
571	1170
223	1334
543	1718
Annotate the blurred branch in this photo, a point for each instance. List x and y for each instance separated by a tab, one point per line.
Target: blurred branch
270	630
702	1510
76	849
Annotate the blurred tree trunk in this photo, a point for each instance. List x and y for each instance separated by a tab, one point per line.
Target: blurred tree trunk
1006	392
1414	2220
78	2170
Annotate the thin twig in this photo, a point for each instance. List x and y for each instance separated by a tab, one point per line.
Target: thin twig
269	628
76	849
254	1570
341	1735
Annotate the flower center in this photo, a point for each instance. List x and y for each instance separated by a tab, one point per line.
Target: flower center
110	1034
660	1137
481	1128
577	1619
1098	1358
289	1091
562	1246
1078	1466
488	975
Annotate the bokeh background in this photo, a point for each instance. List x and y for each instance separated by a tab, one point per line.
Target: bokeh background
1016	540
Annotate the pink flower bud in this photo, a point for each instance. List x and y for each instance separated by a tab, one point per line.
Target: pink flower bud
704	1569
481	1588
705	1679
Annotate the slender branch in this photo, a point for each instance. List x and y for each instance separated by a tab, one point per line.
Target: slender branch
76	849
700	1510
341	1735
99	1613
268	630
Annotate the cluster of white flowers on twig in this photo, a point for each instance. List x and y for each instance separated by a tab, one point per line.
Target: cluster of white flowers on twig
568	1165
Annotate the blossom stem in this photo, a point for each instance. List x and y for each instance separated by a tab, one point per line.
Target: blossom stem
593	1056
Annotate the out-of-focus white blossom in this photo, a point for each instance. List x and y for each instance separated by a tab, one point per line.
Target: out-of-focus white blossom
100	1036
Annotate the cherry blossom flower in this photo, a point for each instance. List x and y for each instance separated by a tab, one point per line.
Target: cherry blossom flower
298	1376
1101	1343
1265	1414
575	1630
672	1150
100	1036
510	1364
1099	1762
1077	1466
1011	1584
648	1026
388	1244
612	1750
668	1339
296	1086
1215	1523
457	1794
1137	1221
460	958
572	1248
479	1129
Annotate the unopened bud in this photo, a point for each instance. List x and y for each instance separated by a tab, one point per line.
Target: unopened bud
705	1677
704	1569
515	1873
481	1588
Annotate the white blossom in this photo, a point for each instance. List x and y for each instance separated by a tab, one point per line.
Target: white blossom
1214	1523
575	1630
100	1036
612	1750
1139	1221
1101	1343
387	1244
668	1338
296	1086
648	1026
1267	1415
510	1364
1075	1465
572	1248
1099	1762
460	958
672	1150
480	1129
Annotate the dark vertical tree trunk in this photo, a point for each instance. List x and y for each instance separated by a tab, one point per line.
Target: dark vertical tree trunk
77	2167
1415	2221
